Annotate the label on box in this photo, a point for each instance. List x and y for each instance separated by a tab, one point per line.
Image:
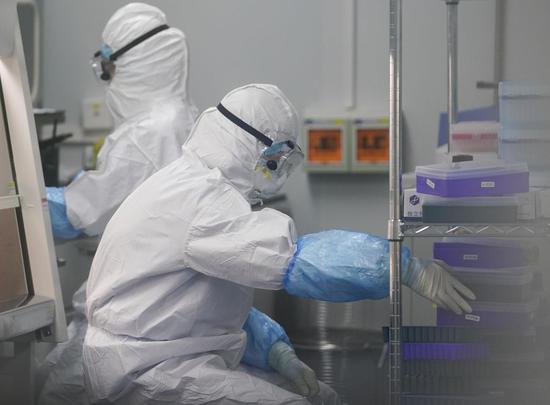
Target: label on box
473	318
488	184
412	204
430	184
471	258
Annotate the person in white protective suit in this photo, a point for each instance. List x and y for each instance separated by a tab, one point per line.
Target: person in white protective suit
144	64
171	285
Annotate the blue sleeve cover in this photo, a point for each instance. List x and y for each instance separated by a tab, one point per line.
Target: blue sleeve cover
341	266
61	226
261	333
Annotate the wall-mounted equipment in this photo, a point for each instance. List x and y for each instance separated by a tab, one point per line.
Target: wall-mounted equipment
370	145
326	144
346	143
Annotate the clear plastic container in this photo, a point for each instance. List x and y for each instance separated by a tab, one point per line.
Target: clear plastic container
470	210
496	315
524	105
503	285
474	137
524	133
535	152
465	179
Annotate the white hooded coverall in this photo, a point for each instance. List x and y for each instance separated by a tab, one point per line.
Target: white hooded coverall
153	116
172	281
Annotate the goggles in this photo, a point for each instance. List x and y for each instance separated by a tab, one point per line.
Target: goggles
103	61
278	159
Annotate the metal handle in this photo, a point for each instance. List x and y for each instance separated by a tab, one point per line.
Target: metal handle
484	85
452	65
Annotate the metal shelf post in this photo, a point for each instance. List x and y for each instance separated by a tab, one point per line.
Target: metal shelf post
452	65
394	225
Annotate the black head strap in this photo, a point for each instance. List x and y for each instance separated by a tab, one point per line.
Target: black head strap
137	41
243	125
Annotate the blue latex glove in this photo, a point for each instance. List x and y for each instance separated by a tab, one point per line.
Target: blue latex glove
61	226
341	266
262	333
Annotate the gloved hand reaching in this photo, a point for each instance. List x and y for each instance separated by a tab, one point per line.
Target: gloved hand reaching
432	280
343	266
283	359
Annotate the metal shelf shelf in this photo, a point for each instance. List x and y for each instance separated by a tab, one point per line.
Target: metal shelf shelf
515	230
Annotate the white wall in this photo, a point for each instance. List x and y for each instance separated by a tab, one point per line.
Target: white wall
298	45
527	40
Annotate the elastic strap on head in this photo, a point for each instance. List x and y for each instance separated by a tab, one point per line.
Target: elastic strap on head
138	41
244	126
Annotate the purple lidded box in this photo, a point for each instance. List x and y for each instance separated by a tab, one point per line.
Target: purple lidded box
473	179
492	315
486	256
444	351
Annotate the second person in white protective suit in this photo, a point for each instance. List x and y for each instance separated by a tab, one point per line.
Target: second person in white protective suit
144	64
172	282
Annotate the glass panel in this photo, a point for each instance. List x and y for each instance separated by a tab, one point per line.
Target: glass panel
13	285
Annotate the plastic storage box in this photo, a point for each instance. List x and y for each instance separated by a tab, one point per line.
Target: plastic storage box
535	152
444	351
439	334
492	315
470	210
470	179
486	255
524	105
524	133
505	285
474	137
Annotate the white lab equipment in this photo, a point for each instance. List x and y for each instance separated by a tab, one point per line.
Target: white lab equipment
30	295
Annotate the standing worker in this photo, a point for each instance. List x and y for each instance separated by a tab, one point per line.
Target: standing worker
144	64
172	282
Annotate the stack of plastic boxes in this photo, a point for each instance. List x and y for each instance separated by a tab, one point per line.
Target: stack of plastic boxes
504	275
484	357
524	133
471	191
493	355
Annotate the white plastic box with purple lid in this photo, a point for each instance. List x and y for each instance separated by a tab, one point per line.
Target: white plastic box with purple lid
473	179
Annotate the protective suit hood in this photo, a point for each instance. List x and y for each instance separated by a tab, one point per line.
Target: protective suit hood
154	71
221	144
